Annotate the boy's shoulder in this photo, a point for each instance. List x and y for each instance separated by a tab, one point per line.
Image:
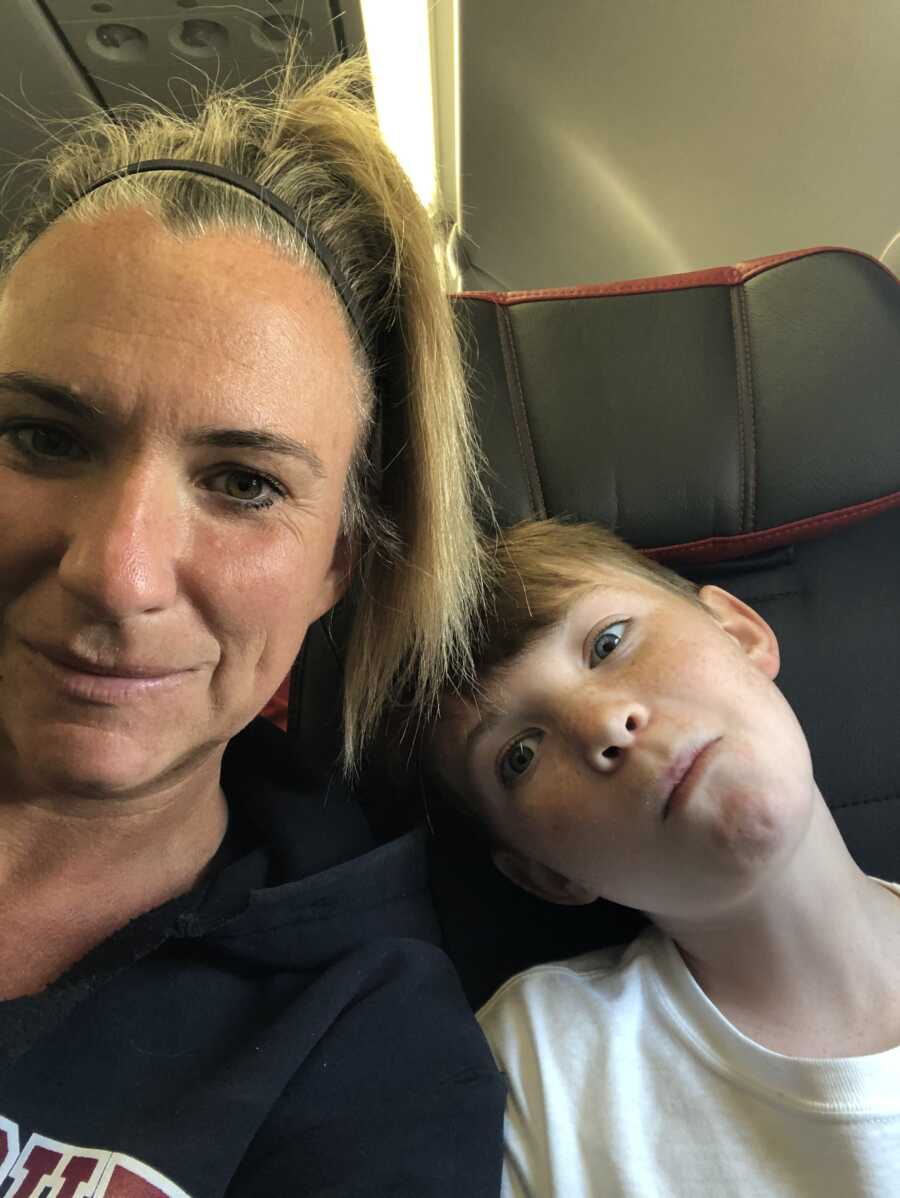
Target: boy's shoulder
606	977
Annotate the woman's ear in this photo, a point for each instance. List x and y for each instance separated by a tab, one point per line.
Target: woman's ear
540	880
745	626
337	578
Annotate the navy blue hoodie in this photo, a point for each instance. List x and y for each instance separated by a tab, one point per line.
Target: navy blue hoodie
288	1028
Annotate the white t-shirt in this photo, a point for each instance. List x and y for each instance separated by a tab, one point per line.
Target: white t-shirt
626	1080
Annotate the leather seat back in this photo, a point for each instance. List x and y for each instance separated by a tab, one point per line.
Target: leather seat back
742	425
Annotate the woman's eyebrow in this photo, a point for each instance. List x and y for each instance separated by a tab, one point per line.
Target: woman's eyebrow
67	400
259	439
58	395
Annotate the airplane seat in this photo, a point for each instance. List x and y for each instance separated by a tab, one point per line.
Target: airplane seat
742	425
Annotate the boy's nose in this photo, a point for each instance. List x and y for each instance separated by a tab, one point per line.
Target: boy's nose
607	728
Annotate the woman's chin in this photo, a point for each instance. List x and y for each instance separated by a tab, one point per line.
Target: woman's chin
95	763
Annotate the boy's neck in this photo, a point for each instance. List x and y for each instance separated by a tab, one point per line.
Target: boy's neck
810	965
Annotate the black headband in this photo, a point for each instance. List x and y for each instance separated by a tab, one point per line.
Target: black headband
271	200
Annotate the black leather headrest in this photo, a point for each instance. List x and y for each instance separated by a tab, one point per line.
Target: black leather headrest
703	415
743	424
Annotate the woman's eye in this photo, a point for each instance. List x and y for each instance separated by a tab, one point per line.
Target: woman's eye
44	443
517	758
606	641
248	489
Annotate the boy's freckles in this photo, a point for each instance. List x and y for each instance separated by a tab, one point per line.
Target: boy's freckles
609	739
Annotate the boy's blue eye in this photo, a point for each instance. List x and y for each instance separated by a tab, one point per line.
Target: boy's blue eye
606	641
517	758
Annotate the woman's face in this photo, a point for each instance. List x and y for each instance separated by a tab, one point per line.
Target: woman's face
174	442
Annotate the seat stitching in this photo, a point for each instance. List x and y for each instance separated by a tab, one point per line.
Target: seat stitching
865	802
752	457
739	378
520	414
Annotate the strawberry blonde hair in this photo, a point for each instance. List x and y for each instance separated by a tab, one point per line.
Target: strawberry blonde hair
540	568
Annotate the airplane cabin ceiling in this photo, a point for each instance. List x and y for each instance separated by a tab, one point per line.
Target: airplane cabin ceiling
583	141
600	140
165	48
59	57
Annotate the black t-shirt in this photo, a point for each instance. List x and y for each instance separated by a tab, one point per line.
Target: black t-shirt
287	1027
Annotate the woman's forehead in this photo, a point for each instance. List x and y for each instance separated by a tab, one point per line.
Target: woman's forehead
221	321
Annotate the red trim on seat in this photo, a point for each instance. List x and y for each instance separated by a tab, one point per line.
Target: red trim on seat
718	276
717	549
713	549
276	709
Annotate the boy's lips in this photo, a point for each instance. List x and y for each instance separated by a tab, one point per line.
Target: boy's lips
684	772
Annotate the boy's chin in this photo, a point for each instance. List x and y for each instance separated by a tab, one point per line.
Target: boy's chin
753	827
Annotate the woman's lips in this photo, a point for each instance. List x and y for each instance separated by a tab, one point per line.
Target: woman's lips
695	764
101	688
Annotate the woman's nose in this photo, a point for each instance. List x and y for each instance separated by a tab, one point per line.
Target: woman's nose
123	542
607	727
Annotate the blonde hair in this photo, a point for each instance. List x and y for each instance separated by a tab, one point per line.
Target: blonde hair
314	141
539	569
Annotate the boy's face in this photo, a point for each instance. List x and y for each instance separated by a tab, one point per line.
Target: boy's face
638	751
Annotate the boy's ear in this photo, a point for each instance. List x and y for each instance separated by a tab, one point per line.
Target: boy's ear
541	880
745	626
